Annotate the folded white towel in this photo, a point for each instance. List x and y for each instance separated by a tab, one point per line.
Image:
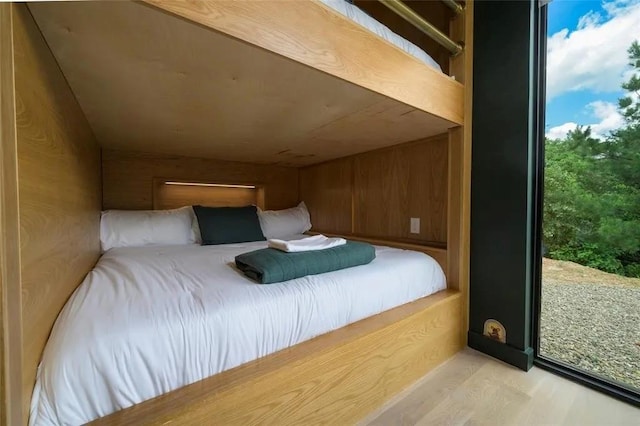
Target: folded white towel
317	242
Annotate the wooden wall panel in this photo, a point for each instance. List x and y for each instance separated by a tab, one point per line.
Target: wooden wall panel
394	185
59	191
381	194
174	196
428	175
129	178
327	191
376	193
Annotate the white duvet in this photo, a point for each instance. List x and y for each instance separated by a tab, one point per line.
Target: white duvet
149	320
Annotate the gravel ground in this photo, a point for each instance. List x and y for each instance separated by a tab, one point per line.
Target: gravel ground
591	320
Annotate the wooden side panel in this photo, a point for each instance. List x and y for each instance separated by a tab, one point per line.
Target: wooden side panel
381	194
129	178
10	295
385	189
315	35
459	202
455	203
327	190
336	378
59	191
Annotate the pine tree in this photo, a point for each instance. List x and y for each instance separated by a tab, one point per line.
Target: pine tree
624	145
629	107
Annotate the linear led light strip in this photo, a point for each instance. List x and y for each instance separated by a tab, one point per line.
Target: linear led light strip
219	185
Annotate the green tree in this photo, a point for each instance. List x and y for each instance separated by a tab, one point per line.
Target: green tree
592	191
630	109
623	148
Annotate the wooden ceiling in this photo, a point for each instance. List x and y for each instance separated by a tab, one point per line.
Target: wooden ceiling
148	81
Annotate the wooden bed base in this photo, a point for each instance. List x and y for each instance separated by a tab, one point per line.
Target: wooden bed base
338	377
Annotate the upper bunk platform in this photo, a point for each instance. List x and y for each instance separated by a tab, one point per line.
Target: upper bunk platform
289	83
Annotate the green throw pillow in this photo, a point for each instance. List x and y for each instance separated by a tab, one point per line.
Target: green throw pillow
225	225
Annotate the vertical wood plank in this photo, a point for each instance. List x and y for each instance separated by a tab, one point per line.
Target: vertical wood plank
381	188
374	194
327	190
461	29
10	302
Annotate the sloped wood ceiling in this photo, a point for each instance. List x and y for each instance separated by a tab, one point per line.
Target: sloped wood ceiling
148	81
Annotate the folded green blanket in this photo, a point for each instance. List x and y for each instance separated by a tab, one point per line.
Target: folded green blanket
272	266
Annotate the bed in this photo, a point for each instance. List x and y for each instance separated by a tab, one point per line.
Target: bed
149	320
102	100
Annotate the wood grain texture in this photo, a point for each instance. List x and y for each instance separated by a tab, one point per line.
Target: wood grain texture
457	30
149	81
174	196
386	189
393	186
59	191
465	228
315	35
335	378
327	190
128	178
455	203
473	388
433	11
459	192
11	398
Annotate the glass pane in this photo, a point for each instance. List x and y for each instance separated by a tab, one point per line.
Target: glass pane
590	316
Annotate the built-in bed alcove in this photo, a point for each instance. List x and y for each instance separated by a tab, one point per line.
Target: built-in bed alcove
157	104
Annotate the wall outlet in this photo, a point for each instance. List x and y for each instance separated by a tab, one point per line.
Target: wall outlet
415	225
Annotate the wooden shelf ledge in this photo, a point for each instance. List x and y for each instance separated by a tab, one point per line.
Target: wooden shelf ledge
436	250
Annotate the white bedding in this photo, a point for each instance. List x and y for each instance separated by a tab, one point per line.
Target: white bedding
148	320
360	17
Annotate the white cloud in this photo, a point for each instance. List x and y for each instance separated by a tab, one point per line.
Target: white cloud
607	114
610	118
594	56
559	132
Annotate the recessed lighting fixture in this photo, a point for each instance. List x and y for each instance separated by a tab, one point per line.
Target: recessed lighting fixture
219	185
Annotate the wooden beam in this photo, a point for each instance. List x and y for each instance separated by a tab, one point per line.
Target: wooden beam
459	205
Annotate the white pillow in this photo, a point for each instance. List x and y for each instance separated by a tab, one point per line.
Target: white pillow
136	228
195	226
285	223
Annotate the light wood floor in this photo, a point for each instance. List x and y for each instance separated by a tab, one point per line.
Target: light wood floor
474	389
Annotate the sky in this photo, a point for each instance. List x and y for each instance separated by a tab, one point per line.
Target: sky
587	62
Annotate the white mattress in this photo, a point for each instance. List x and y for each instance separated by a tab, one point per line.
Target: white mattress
360	17
149	320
